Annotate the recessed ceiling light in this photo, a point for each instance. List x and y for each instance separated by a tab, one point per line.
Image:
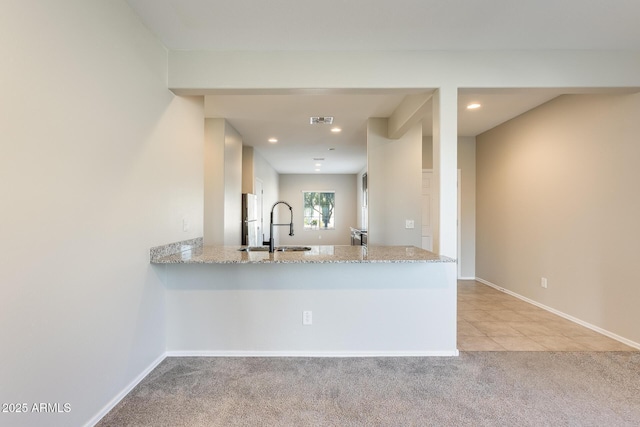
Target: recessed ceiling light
473	106
273	140
317	170
318	164
336	130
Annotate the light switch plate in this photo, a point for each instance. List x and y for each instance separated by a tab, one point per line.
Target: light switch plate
409	223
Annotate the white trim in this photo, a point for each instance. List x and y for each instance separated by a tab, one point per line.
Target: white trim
113	402
214	353
468	278
564	315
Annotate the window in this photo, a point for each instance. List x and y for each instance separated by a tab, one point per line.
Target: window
319	210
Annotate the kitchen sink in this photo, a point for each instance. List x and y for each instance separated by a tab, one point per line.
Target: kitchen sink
255	249
278	249
292	248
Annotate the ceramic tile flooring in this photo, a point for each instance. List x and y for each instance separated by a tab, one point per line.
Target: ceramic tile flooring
490	320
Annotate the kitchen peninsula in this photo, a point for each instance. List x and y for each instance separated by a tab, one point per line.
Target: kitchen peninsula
356	301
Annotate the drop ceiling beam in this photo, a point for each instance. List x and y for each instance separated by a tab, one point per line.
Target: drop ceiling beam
410	112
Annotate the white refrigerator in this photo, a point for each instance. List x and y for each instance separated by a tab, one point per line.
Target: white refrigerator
250	221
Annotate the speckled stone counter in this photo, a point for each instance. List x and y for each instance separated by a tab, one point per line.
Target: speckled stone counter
317	255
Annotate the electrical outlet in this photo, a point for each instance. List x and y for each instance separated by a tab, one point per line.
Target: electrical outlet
543	282
185	224
307	317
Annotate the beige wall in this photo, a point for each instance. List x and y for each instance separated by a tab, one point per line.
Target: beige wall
395	180
99	163
291	188
427	152
557	197
248	170
467	208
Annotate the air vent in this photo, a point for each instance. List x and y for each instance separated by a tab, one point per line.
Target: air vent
317	159
320	120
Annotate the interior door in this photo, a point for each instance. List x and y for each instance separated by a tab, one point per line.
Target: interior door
427	210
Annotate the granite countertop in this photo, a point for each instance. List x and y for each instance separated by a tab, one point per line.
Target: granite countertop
195	253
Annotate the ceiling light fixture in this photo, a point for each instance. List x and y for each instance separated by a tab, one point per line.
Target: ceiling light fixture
336	130
318	164
273	140
317	170
473	106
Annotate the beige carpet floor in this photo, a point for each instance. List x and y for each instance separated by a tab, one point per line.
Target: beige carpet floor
475	389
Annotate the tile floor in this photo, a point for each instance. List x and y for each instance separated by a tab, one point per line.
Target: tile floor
490	320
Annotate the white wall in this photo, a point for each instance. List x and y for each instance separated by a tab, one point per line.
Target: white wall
222	183
395	180
291	188
213	182
467	166
270	181
232	186
358	309
193	70
99	163
557	197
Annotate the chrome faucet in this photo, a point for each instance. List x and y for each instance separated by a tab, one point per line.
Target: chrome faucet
271	225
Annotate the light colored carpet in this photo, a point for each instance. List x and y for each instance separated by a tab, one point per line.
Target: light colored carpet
475	389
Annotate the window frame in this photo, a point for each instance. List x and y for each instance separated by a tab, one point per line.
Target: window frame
319	227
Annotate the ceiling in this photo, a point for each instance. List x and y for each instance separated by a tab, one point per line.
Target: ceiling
259	117
367	25
286	117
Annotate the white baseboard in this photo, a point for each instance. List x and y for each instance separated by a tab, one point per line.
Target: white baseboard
467	278
563	315
207	353
109	406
